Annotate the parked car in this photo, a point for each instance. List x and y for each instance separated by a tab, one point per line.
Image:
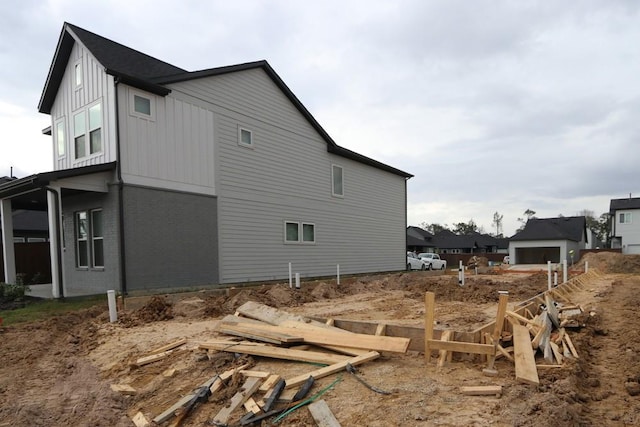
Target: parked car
415	263
433	260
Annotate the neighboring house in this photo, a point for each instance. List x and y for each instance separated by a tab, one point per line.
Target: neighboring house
549	239
447	242
625	224
419	240
166	178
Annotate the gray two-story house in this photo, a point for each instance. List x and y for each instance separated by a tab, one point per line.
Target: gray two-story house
625	224
166	178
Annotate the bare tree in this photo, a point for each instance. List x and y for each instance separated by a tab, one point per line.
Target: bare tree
497	222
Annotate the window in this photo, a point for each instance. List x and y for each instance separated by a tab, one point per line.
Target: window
97	248
141	105
18	240
36	239
297	232
245	137
60	140
89	239
625	218
337	180
78	74
82	250
90	120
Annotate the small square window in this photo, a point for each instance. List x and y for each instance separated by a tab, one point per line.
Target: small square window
625	218
308	233
291	232
245	137
142	105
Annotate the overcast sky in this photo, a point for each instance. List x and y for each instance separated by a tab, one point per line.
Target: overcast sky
494	106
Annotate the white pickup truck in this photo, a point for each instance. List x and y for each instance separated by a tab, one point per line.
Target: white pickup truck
433	260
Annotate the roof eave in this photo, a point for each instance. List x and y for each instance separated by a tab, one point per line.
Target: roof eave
139	83
56	71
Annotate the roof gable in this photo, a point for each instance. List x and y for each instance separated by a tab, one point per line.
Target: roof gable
562	228
117	59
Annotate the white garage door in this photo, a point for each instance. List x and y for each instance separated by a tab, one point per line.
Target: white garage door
633	249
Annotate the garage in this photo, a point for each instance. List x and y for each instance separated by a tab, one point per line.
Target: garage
538	255
633	249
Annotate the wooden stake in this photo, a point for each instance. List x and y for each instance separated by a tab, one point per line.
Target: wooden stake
429	305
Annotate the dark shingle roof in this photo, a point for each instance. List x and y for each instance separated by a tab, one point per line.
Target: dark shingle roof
151	74
563	228
622	204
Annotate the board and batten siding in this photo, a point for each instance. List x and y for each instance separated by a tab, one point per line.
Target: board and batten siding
97	86
175	149
286	176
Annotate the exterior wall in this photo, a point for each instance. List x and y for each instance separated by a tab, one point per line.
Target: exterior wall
629	234
83	281
173	149
286	175
96	86
170	239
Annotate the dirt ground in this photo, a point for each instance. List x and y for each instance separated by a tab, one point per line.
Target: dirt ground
58	372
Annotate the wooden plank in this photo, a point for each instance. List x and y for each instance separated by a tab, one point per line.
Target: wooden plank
329	337
169	346
330	322
332	369
556	352
429	317
269	382
247	390
552	310
526	370
277	353
124	389
249	331
152	358
315	327
503	299
322	414
255	374
461	347
570	345
264	313
380	330
482	390
506	352
140	420
446	336
251	406
522	319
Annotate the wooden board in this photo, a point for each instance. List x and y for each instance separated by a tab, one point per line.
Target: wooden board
264	313
277	353
429	316
125	389
526	370
328	337
314	327
247	390
152	358
140	420
482	390
251	406
270	382
249	331
332	369
446	336
322	414
169	346
462	347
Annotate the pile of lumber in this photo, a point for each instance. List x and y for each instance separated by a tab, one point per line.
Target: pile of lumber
263	331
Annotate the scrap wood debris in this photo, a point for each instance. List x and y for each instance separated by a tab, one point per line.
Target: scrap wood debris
263	331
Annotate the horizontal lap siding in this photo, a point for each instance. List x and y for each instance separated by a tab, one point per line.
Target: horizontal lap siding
287	176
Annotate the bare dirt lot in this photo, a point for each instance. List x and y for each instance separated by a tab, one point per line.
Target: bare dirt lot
58	372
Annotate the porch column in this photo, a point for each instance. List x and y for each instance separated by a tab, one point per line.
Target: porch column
54	227
9	258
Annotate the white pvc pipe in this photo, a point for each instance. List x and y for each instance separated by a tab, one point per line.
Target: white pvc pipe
113	311
564	270
548	274
290	278
555	278
586	266
338	274
297	280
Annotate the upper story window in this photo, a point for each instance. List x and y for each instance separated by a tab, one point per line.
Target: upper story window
625	218
141	106
337	180
60	138
77	72
87	131
245	137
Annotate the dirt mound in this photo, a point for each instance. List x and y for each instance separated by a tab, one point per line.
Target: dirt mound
612	262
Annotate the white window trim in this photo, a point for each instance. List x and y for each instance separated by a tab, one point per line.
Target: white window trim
78	239
93	240
301	233
76	65
87	132
62	122
300	240
244	144
333	188
625	215
132	105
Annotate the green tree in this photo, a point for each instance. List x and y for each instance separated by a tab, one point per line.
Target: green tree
434	228
463	228
528	214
